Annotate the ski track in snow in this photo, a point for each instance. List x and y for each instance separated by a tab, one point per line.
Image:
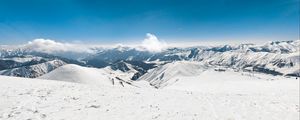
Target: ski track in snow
22	98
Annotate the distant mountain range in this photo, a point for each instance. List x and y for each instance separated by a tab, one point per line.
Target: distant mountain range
276	58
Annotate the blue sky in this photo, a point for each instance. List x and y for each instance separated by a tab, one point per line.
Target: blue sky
125	21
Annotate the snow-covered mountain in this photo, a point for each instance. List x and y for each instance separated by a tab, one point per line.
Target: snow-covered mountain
86	75
33	71
135	68
31	64
210	82
276	58
19	61
170	73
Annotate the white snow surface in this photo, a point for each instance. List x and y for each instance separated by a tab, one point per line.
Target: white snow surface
78	74
234	82
209	95
167	74
87	75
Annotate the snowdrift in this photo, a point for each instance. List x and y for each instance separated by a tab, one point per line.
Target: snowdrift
85	75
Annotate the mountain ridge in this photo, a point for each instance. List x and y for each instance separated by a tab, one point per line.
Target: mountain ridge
276	58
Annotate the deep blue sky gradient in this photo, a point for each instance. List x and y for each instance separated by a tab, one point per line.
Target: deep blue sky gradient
113	21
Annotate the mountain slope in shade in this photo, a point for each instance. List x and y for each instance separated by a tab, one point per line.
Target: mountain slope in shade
33	71
134	69
19	61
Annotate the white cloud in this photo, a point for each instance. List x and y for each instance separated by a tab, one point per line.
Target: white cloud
152	44
51	46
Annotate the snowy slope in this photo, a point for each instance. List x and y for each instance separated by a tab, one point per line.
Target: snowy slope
124	68
86	75
42	99
167	74
191	75
235	82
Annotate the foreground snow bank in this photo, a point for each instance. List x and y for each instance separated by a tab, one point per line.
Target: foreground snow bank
22	98
234	82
